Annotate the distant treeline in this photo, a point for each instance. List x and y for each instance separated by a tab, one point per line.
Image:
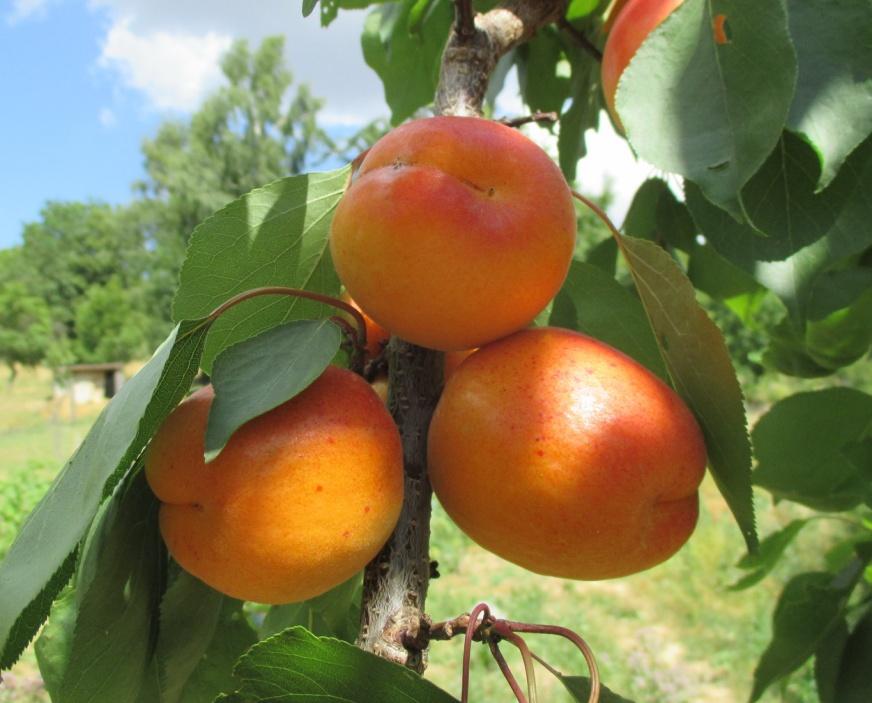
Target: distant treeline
91	282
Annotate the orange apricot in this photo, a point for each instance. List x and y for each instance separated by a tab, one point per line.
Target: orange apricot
455	231
561	454
376	335
455	359
299	500
631	25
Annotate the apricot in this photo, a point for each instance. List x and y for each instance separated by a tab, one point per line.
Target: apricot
561	454
376	336
455	231
631	25
455	359
299	500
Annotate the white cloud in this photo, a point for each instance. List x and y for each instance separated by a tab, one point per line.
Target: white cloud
26	9
106	117
174	70
329	60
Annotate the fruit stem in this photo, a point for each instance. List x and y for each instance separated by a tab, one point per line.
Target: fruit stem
357	338
577	640
580	37
471	628
526	656
507	672
600	213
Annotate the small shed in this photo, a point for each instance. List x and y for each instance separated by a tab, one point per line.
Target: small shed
91	382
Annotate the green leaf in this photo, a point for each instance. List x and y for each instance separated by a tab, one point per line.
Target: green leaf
583	113
656	214
832	108
827	660
699	365
543	85
771	549
715	276
295	664
308	7
580	8
805	232
202	633
407	63
52	648
835	290
854	684
800	444
711	112
594	303
115	627
335	613
787	354
259	374
273	236
809	607
579	689
42	557
843	336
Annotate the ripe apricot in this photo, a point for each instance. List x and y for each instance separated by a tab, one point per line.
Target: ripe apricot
299	500
561	454
376	335
632	24
455	359
455	231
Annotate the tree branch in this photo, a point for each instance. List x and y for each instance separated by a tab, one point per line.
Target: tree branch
395	582
469	60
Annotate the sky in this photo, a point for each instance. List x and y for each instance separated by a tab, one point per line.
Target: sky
85	81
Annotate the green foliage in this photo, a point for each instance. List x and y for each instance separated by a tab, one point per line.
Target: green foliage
202	633
41	559
25	327
809	607
116	602
296	664
700	368
19	493
830	108
335	613
692	115
261	373
593	302
809	449
405	57
273	236
108	325
805	232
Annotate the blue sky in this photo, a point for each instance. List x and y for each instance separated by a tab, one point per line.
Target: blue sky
85	81
66	131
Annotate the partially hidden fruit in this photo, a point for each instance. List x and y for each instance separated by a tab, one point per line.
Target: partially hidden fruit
377	336
631	25
561	454
298	501
454	232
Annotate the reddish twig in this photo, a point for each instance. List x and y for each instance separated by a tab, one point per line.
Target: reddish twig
566	633
507	672
471	627
358	338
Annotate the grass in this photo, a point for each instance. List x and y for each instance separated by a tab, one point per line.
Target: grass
673	634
